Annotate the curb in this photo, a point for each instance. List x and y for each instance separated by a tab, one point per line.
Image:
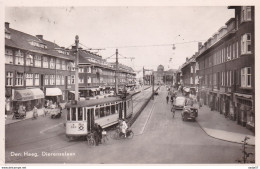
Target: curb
222	138
131	122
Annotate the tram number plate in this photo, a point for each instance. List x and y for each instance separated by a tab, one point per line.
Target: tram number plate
73	126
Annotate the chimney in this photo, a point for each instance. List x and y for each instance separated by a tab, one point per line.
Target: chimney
39	37
7	25
199	45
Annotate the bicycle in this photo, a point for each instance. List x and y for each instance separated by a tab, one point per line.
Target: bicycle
90	139
119	135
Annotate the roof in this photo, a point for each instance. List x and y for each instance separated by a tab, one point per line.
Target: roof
20	40
94	102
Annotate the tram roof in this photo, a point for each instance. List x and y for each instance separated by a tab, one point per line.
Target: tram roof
89	103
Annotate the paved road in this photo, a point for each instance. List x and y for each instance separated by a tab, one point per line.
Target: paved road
159	139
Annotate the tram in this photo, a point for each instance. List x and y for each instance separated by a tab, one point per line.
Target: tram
82	115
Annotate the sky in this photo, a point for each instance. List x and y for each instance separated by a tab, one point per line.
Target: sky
143	32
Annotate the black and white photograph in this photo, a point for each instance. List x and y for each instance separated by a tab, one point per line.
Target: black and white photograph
129	85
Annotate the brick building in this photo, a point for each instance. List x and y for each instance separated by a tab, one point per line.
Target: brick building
227	68
34	69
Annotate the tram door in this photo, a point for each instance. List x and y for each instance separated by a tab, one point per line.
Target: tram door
90	118
120	106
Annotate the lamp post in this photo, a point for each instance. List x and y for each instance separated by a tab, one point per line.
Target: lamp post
76	69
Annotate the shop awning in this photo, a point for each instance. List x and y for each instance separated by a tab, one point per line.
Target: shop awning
37	93
244	95
186	89
53	92
73	92
28	94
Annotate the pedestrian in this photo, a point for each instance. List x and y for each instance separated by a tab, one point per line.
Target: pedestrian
35	112
167	99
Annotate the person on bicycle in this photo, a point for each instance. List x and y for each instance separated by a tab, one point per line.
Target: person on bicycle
167	99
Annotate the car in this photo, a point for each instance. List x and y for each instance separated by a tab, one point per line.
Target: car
179	102
189	112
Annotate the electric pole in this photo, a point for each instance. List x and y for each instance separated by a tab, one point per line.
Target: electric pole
76	69
116	79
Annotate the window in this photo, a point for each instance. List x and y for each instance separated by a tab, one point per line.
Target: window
191	80
8	56
45	62
245	13
62	80
52	63
29	79
191	69
7	35
36	79
63	65
81	70
81	80
246	44
46	79
237	50
19	79
246	77
38	61
58	64
19	58
52	78
29	60
69	79
9	78
234	51
58	79
89	80
72	79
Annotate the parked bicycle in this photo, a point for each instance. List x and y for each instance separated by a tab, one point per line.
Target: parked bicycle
245	154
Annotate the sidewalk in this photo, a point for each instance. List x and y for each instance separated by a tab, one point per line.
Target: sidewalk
9	119
29	114
219	127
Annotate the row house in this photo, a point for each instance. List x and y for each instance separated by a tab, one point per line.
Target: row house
188	73
35	69
227	68
97	76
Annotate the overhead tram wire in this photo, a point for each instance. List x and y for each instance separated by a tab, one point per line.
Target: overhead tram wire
155	45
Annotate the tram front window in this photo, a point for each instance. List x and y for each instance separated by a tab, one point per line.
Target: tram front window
73	114
80	114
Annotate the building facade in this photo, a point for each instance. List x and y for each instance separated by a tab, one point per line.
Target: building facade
34	69
37	69
227	68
